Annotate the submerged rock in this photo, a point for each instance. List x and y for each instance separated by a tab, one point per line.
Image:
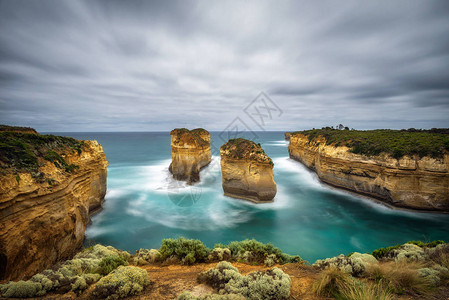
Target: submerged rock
190	152
247	172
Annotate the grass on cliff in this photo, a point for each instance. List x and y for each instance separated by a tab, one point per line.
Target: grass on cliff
240	148
397	143
20	151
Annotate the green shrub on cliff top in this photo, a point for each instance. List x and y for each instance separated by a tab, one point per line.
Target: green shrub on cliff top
188	251
387	252
20	151
254	251
397	143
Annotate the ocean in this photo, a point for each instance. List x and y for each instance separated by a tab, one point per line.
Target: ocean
144	205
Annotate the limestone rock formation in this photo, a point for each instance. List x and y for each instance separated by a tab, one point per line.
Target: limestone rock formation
287	136
49	186
408	182
190	152
247	172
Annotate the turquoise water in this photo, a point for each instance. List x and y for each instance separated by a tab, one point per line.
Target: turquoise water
144	205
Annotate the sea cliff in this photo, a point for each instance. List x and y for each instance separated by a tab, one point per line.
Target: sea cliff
407	181
247	172
49	186
190	152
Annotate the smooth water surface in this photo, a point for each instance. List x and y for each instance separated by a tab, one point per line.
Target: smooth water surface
145	205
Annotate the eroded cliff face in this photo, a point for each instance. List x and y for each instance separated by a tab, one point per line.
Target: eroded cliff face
42	221
247	172
408	182
190	152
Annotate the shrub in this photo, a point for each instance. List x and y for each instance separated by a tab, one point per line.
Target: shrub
272	284
145	256
355	264
22	289
122	282
254	251
219	254
188	251
109	263
75	274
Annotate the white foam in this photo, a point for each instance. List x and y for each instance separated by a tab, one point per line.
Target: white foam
277	143
304	175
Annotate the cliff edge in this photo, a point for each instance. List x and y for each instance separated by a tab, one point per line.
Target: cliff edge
396	176
190	152
247	172
48	187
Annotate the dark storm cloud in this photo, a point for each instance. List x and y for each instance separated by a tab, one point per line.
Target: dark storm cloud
155	65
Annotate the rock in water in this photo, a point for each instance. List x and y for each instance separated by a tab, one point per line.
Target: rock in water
247	171
190	152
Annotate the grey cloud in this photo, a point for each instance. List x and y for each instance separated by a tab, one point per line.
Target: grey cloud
155	65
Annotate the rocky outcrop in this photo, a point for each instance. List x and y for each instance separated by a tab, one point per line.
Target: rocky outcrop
408	182
190	152
287	136
43	212
247	172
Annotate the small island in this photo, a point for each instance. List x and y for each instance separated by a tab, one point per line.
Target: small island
247	171
190	152
403	168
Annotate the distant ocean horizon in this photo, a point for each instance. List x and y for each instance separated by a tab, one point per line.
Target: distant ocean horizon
144	205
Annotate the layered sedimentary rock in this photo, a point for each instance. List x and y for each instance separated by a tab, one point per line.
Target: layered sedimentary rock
44	211
247	172
408	182
190	152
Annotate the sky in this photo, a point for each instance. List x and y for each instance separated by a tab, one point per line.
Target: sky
157	65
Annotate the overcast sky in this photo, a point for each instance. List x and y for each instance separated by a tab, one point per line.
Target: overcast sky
156	65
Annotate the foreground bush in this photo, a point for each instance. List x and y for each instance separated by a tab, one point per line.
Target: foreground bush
188	251
355	264
73	275
272	284
145	256
122	282
252	251
393	251
194	251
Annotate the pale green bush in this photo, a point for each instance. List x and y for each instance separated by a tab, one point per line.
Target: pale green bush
219	254
75	274
145	257
272	284
355	264
408	252
22	289
122	282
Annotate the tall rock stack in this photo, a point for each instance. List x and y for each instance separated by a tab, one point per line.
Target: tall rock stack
247	172
190	152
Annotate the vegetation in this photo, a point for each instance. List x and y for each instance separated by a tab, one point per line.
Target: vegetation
195	134
86	268
122	282
21	151
242	148
355	264
397	143
272	284
17	129
194	251
384	252
253	251
188	251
